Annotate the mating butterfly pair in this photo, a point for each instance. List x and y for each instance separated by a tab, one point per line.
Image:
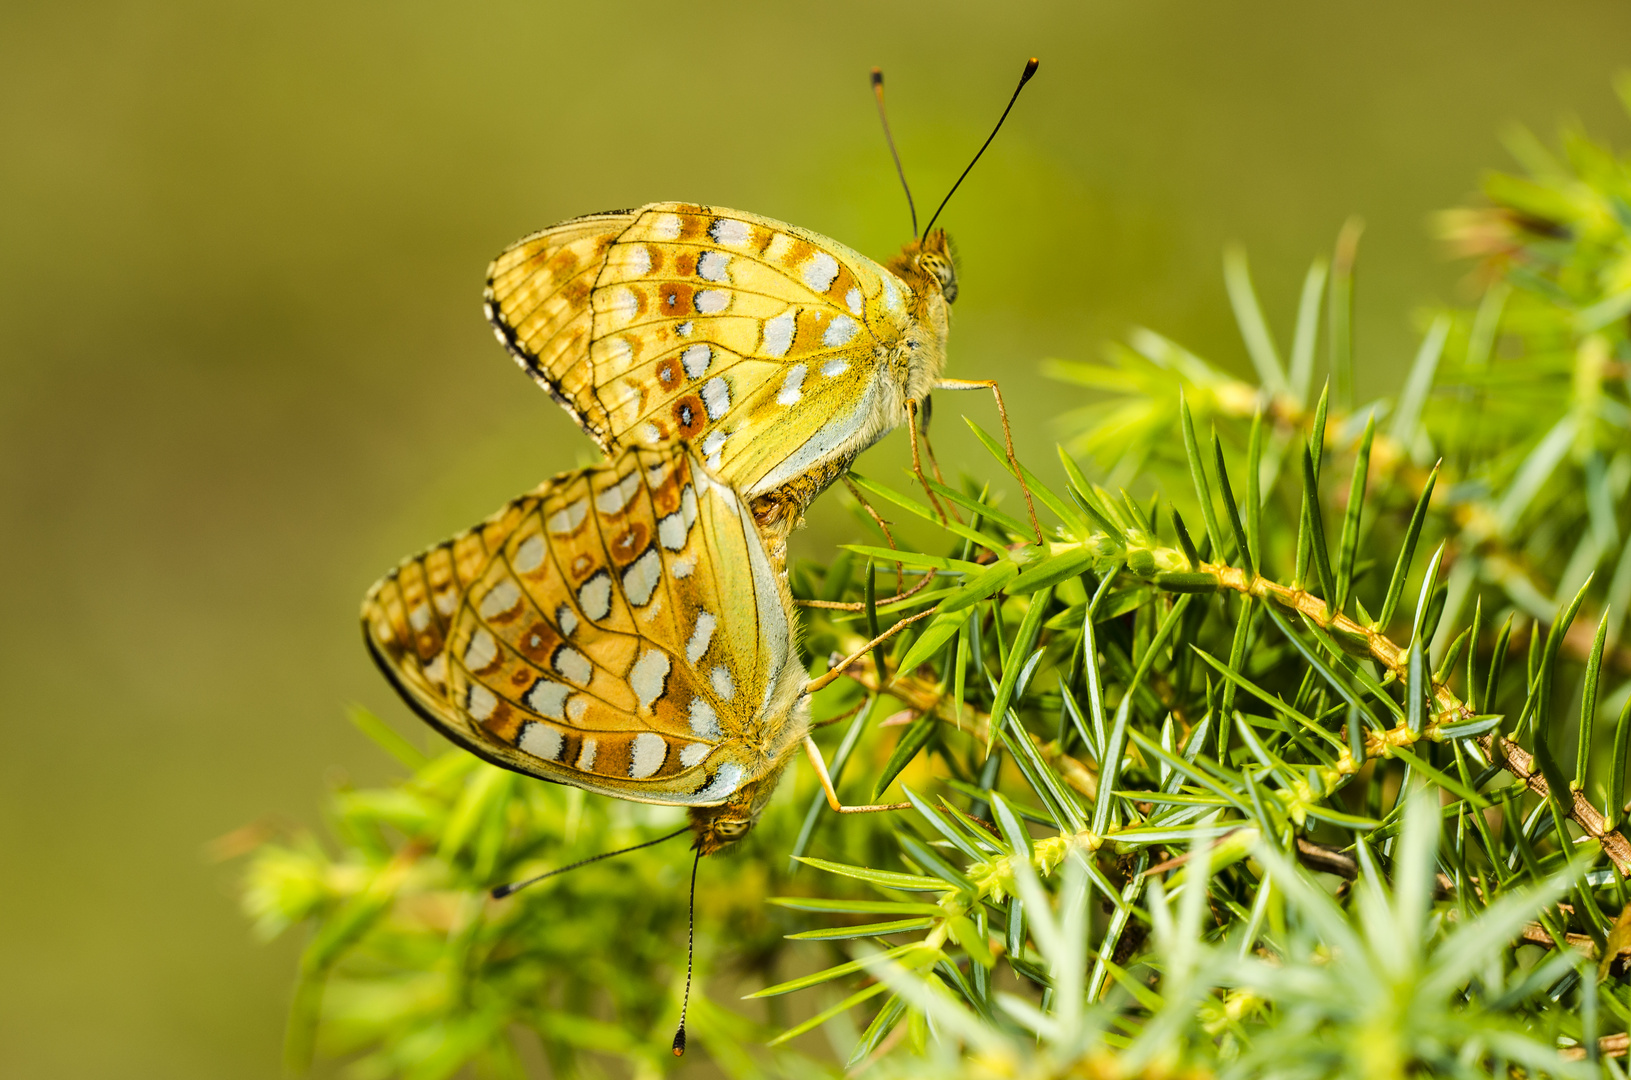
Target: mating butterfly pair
627	628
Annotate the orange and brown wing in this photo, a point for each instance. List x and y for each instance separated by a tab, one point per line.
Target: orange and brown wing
615	629
538	300
762	343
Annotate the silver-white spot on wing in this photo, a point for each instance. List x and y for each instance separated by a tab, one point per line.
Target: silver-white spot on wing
541	741
716	397
712	301
711	266
671	531
640	579
569	517
720	678
695	360
693	753
623	306
573	664
480	702
819	271
595	596
616	497
835	367
481	651
711	447
419	617
839	332
778	334
649	676
701	636
730	232
666	227
647	754
725	783
704	721
891	292
500	599
547	698
852	299
637	261
792	386
566	619
683	566
586	756
529	554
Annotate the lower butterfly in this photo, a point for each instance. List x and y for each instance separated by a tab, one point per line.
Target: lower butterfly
620	629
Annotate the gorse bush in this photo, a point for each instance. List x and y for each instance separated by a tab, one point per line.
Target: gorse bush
1308	762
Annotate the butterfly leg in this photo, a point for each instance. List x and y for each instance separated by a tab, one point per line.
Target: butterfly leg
855	605
912	406
814	752
928	448
843	665
1007	437
877	518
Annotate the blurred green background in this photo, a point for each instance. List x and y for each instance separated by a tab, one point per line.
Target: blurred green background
244	367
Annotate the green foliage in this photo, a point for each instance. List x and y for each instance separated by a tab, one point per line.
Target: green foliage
1298	768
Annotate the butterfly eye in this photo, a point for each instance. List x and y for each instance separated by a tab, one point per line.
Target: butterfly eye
941	270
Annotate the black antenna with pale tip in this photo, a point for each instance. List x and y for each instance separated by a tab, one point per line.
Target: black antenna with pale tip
1025	77
501	891
690	955
900	170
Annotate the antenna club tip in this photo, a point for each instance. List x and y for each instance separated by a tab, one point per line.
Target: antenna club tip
679	1042
1030	68
499	892
877	76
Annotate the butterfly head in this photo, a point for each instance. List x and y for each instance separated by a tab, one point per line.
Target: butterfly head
716	827
934	259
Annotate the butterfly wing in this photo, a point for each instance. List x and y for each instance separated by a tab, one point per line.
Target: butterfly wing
537	299
618	628
766	345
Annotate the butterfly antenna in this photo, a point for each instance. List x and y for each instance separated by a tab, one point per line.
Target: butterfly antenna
900	170
501	891
1025	77
690	955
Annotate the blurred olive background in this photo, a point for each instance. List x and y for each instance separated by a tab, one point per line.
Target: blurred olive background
243	367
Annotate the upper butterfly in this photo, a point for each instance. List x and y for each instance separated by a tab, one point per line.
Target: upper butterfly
780	353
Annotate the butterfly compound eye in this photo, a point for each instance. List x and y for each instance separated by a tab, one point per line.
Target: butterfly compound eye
940	268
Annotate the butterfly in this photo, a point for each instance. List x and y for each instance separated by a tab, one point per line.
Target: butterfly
780	353
621	629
